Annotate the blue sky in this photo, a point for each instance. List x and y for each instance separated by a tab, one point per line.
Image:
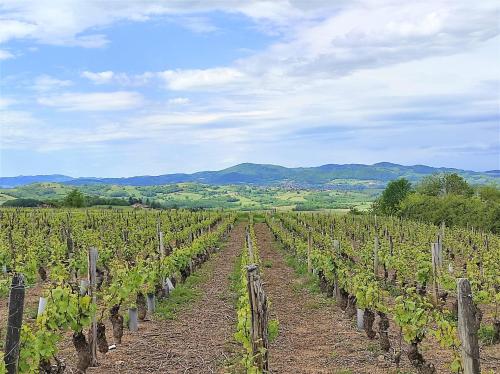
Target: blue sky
122	88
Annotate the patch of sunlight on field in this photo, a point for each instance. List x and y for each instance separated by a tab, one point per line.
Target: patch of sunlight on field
4	198
187	195
292	196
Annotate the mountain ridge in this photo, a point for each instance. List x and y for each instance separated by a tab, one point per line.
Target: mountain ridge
268	174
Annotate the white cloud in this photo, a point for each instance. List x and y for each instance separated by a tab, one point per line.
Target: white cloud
65	22
201	78
123	79
4	55
99	101
374	35
179	101
14	29
47	83
197	24
99	78
368	71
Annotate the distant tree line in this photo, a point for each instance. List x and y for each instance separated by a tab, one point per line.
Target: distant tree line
442	197
76	199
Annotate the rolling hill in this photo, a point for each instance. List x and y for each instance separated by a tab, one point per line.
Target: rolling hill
325	176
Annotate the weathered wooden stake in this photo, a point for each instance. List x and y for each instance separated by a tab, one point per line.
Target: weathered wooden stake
258	307
336	290
309	249
250	246
162	246
375	256
436	264
14	322
467	328
92	276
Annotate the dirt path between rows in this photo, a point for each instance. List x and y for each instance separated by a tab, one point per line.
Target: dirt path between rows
314	337
199	339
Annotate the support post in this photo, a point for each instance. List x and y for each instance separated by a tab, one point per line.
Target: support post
42	304
250	246
259	311
151	303
309	249
162	246
336	252
360	315
14	322
92	276
375	256
436	263
467	328
133	324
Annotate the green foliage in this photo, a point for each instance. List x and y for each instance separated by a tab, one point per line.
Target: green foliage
37	344
489	193
393	194
74	199
486	334
267	263
3	370
273	329
455	210
445	184
447	336
67	309
182	295
23	203
411	314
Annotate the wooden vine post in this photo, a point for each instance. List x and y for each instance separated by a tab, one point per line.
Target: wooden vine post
259	311
309	249
92	275
467	328
437	261
249	246
162	253
14	322
336	252
375	256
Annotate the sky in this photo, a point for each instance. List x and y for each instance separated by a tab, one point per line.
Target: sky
122	88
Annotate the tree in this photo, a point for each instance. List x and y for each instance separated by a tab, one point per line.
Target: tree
26	203
445	184
74	199
489	193
431	185
457	185
456	210
393	194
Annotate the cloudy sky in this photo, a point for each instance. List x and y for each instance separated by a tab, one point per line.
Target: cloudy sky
121	88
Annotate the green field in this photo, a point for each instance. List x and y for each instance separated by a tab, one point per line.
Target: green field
193	195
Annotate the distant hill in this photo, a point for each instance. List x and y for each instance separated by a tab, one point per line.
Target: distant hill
22	180
325	176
